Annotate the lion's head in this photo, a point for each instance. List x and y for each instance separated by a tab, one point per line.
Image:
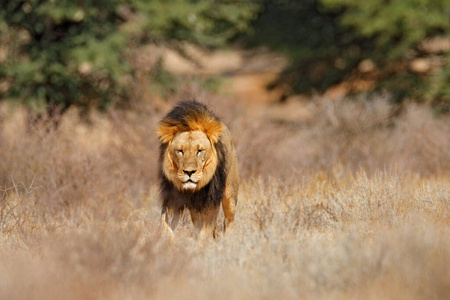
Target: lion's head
189	155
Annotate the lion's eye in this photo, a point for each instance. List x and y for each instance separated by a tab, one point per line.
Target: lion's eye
199	152
180	152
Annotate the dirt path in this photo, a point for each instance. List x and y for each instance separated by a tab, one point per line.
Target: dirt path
247	73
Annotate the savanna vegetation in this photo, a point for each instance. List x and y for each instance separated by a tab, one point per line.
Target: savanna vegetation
342	198
333	207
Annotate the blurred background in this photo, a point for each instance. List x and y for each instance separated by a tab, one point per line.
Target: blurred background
363	84
112	53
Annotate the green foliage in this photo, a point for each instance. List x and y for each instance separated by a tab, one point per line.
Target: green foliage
68	54
397	28
210	23
62	53
328	39
396	25
322	51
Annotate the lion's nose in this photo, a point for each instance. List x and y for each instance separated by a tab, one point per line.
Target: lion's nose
189	173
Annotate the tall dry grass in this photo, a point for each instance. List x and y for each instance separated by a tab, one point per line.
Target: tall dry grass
350	202
373	135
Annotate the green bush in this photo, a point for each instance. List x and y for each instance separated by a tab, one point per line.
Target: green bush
208	23
55	54
328	39
397	26
67	54
399	30
322	51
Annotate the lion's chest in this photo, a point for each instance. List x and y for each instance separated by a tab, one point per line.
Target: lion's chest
209	196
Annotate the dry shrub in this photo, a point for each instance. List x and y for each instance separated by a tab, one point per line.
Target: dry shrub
106	261
333	235
316	217
420	142
122	146
110	157
339	236
361	134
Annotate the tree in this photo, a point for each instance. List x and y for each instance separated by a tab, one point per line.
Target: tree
322	51
393	44
411	43
62	53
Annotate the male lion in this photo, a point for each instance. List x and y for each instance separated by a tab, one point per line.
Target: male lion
198	168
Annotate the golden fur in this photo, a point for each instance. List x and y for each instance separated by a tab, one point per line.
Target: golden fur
198	168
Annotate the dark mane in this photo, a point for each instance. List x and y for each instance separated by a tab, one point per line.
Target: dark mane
189	115
188	110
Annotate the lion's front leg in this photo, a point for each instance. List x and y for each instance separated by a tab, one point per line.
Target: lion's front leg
228	206
229	202
170	218
205	221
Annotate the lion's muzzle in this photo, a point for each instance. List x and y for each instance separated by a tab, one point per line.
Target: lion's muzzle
189	179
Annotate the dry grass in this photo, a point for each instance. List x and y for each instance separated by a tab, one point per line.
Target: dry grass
350	203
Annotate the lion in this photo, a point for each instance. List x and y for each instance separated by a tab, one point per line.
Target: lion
198	168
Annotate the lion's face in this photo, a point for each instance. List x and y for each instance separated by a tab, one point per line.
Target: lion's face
191	160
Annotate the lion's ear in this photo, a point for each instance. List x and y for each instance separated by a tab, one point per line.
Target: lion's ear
167	132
